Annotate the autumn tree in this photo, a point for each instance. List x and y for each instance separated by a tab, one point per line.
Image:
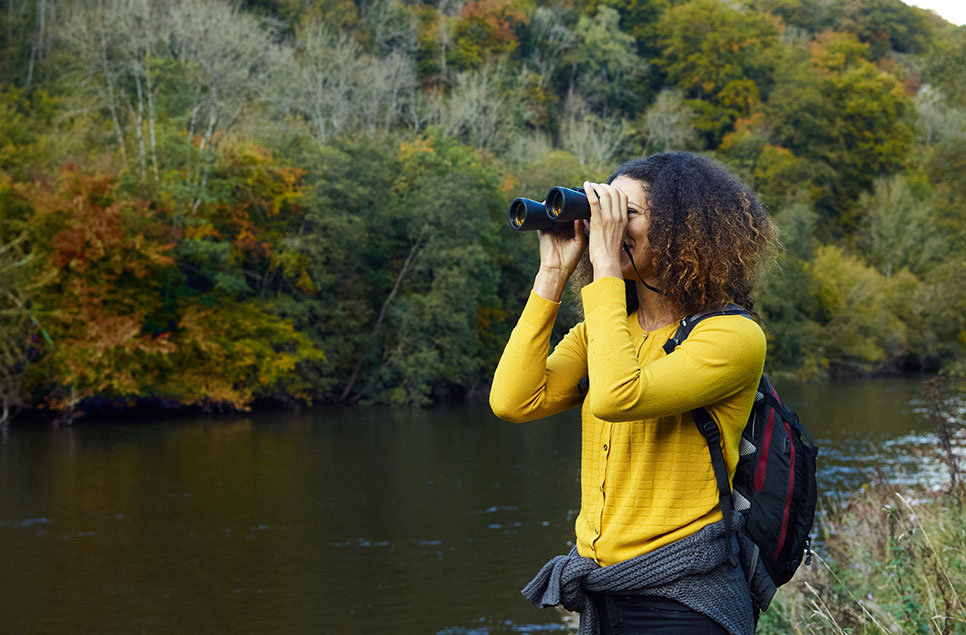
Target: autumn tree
721	58
834	108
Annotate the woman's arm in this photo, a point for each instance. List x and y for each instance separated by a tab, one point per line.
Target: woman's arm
527	384
720	357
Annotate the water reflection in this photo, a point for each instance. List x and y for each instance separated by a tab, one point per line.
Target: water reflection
336	520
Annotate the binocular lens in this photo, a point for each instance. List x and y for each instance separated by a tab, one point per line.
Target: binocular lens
555	202
518	213
526	214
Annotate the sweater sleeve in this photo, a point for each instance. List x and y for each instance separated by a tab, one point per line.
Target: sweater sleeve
719	358
527	384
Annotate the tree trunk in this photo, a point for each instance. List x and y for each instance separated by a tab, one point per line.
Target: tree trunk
209	133
212	119
154	144
113	108
139	127
410	258
191	134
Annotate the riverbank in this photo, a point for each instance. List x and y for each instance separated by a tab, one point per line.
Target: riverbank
892	561
890	558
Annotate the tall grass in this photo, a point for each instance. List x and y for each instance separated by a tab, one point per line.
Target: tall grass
890	560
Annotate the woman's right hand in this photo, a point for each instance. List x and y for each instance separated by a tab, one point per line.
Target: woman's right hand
559	255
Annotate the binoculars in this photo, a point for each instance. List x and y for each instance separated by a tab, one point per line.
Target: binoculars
563	205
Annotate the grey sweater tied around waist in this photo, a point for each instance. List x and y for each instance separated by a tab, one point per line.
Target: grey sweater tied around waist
695	571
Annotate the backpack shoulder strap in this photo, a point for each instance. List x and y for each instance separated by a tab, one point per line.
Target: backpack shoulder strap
712	434
687	324
707	426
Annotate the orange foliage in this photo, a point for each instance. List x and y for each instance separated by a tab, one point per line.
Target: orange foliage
110	285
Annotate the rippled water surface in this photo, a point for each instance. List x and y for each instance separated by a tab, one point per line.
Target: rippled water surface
338	520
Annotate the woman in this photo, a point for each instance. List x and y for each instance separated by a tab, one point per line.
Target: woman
669	236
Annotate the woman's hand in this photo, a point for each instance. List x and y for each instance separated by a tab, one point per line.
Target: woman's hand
608	224
559	255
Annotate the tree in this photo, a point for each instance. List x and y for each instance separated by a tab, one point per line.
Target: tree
721	58
124	53
668	124
811	16
787	298
836	110
776	175
22	326
485	29
605	64
886	25
344	89
437	299
595	140
549	41
478	109
897	227
860	312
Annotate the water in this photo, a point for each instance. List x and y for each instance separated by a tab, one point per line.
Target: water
338	520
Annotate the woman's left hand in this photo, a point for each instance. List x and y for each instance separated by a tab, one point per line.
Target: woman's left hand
608	223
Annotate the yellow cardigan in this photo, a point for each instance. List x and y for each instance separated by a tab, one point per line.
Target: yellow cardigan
646	476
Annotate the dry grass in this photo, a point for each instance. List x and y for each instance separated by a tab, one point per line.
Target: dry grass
891	561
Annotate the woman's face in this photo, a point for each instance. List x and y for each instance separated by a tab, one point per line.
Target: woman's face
638	222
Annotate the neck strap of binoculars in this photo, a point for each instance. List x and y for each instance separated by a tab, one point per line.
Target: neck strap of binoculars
627	250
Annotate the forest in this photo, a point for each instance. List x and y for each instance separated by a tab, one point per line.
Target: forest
216	205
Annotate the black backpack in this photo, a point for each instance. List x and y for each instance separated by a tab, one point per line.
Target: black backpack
774	482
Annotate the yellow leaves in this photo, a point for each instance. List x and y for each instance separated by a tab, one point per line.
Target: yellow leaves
509	183
741	94
241	351
841	277
305	283
863	308
422	145
202	231
835	52
101	354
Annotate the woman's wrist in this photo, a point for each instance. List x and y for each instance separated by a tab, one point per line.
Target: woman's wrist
607	264
549	283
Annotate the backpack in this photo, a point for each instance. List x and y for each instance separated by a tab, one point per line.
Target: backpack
774	482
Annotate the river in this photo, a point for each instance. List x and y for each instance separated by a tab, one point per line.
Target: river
337	520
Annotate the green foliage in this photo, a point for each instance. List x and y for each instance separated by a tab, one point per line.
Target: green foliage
847	118
810	16
605	63
894	564
486	28
721	58
449	207
898	229
788	299
774	172
887	25
326	220
860	311
126	324
21	324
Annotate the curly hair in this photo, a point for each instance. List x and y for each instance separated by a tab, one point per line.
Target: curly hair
708	232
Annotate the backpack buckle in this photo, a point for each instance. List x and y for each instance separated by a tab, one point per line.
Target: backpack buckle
711	431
